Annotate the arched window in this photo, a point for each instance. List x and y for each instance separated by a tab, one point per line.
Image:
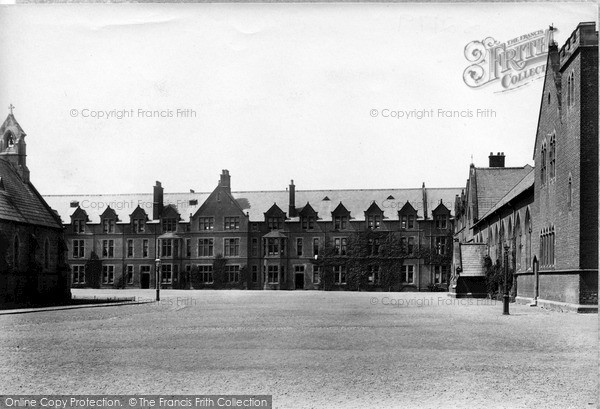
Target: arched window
552	155
47	254
543	162
527	240
16	253
570	193
518	243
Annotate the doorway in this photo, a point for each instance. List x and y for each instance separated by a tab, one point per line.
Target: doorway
299	281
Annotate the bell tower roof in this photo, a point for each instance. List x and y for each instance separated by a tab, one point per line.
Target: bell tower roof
11	124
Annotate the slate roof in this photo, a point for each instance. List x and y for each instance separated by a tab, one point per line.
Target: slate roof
494	183
21	202
256	203
524	184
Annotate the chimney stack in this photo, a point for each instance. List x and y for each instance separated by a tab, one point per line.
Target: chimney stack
225	181
157	202
292	206
424	191
496	161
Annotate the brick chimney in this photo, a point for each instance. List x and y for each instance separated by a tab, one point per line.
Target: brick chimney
496	161
292	206
157	201
225	181
425	210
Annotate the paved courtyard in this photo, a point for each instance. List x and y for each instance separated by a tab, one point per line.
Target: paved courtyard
307	349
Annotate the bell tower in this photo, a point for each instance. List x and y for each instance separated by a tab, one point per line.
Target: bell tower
12	144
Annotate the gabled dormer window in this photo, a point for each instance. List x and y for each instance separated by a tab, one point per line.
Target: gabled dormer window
139	225
373	221
108	225
169	224
340	222
275	223
78	226
407	221
308	222
441	221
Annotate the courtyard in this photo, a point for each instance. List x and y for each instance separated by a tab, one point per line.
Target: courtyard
308	349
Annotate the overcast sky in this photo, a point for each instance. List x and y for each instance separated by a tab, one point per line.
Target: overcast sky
280	92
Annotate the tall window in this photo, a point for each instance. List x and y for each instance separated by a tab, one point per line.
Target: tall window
233	273
129	248
570	192
316	246
78	274
272	246
254	250
206	273
232	247
166	276
547	242
316	275
188	248
273	276
339	273
552	156
411	245
232	223
108	274
205	247
299	246
166	247
440	245
108	248
129	276
408	273
441	274
255	274
145	248
78	248
543	165
206	223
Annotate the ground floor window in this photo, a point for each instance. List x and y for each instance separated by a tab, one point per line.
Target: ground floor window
316	275
108	274
166	274
440	274
78	274
206	273
408	274
273	274
129	277
233	273
255	274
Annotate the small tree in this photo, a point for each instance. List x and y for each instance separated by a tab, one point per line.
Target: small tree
219	275
245	278
195	280
93	270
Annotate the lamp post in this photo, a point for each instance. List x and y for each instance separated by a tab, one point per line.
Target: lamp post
506	297
158	263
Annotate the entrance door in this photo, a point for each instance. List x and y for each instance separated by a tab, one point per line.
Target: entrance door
145	280
299	281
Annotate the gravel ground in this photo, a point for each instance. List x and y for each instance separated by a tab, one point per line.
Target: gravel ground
307	349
